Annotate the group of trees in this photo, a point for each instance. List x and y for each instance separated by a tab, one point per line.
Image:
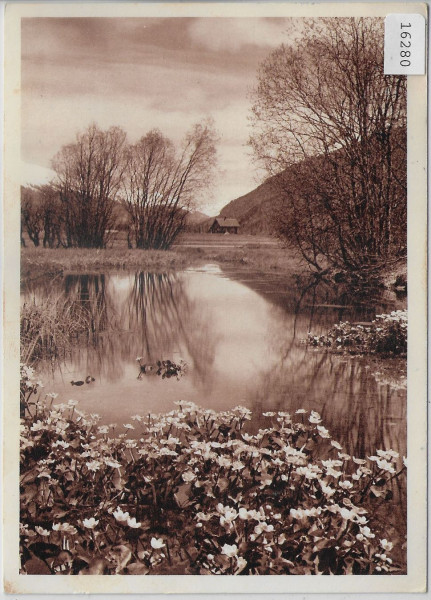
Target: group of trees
42	216
330	128
152	183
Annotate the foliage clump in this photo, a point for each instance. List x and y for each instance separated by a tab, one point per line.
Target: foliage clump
191	492
387	334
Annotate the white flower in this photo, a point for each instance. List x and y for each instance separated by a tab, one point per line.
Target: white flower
60	443
336	445
300	411
131	522
243	514
263	527
346	514
229	550
93	465
156	543
42	531
37	426
120	515
229	515
90	523
314	417
323	432
112	463
386	545
296	514
385	466
333	472
128	426
268	414
327	490
387	454
188	476
366	531
64	527
203	517
346	485
237	465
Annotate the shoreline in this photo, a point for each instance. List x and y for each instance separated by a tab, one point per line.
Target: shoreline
243	252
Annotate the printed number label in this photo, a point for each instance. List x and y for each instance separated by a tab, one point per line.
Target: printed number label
404	44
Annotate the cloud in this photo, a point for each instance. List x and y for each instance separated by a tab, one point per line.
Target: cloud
144	74
234	34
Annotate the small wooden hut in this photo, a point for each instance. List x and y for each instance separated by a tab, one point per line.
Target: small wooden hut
224	225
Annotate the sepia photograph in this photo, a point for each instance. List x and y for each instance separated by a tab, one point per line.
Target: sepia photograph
209	320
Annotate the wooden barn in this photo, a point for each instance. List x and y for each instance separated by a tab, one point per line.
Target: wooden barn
224	225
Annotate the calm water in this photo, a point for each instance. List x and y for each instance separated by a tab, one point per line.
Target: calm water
240	334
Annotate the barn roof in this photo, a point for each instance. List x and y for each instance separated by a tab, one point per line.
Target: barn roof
226	222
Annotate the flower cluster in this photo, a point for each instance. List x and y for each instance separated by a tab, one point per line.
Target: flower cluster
197	493
387	335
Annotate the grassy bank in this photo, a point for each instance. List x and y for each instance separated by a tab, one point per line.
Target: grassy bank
243	252
36	262
194	493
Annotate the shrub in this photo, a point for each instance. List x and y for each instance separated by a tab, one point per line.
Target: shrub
387	334
194	493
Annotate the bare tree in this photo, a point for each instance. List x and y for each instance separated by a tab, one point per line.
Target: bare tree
89	174
31	215
162	183
331	127
52	215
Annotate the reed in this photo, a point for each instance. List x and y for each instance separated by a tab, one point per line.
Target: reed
49	330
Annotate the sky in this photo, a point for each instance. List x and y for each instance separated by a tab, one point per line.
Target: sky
142	73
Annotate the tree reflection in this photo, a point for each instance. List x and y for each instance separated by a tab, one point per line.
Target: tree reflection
148	315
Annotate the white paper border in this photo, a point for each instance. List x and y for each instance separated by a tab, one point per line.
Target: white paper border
414	581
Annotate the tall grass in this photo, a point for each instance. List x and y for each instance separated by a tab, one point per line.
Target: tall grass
36	262
49	330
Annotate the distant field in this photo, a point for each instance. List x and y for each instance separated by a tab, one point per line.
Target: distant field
217	240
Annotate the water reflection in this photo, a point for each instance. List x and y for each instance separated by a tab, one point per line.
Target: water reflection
239	334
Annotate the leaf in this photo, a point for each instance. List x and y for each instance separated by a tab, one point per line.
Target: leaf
35	566
96	567
120	556
320	545
376	492
44	550
182	496
328	559
117	480
137	569
29	494
222	483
